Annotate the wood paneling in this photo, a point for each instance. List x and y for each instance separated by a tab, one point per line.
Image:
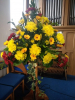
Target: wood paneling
69	35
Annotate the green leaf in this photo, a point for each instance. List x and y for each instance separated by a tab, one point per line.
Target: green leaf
18	47
6	49
39	82
12	23
17	63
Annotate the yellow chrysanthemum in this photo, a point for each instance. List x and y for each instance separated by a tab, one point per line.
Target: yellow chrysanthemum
48	30
51	40
19	55
59	45
26	36
33	57
47	58
37	37
44	19
1	54
32	41
31	26
22	33
18	32
47	42
21	21
38	17
6	42
36	50
60	38
24	50
11	45
67	56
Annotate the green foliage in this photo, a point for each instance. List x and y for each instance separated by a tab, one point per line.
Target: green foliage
2	65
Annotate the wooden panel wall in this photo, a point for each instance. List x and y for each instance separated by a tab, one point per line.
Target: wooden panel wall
68	32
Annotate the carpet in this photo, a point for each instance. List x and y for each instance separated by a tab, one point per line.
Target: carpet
57	89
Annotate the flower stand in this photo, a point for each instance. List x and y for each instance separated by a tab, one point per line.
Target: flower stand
30	96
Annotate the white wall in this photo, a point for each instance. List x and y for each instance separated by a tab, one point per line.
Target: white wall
4	18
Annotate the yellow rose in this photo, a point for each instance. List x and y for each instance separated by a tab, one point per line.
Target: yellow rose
33	57
38	17
26	36
18	32
37	37
51	40
24	50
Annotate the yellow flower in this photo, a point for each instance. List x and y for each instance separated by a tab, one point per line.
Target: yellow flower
26	44
31	26
19	55
26	36
22	33
51	40
37	37
18	32
20	37
67	56
24	50
6	42
46	52
59	45
60	38
47	42
47	58
35	21
44	19
36	50
17	43
32	41
18	27
33	57
54	56
55	30
38	17
48	30
27	15
25	56
2	54
21	21
11	46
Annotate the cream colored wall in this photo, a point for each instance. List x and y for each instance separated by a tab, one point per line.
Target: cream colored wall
4	18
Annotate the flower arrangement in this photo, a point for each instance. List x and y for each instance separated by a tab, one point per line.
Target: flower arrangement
34	39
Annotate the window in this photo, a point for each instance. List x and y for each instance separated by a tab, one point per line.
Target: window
16	9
